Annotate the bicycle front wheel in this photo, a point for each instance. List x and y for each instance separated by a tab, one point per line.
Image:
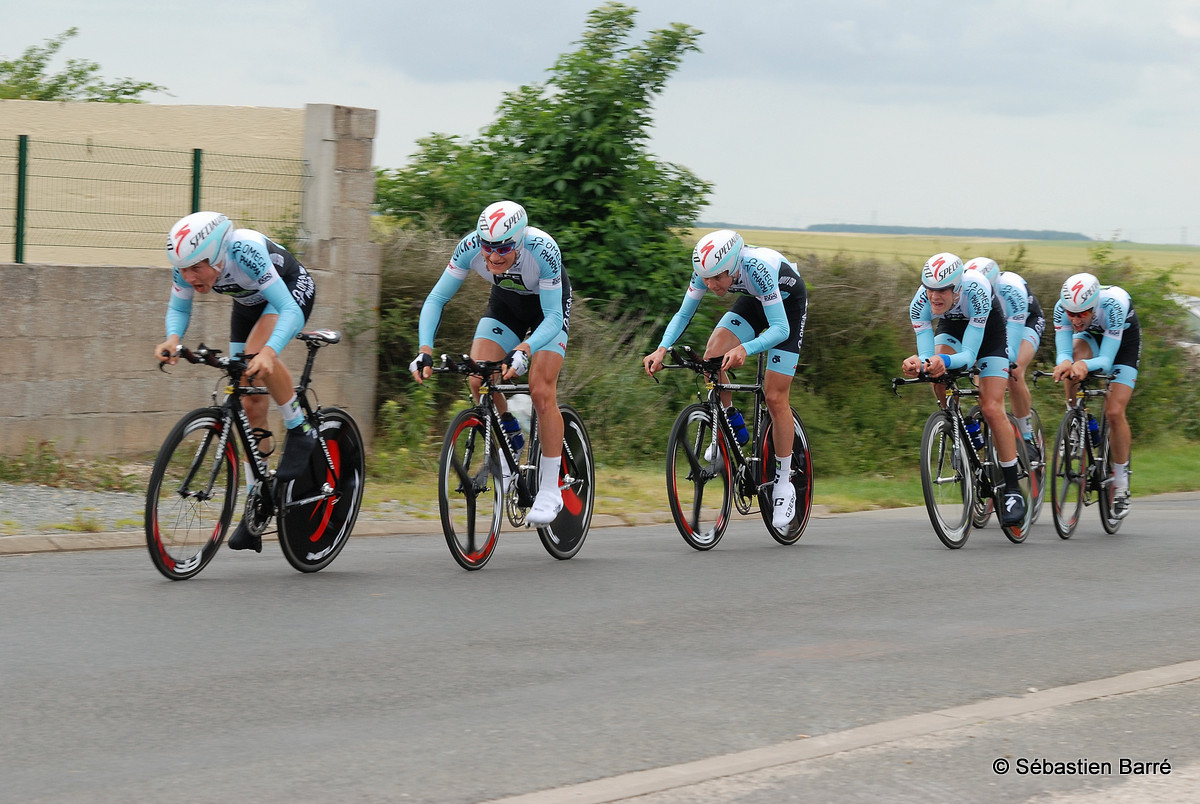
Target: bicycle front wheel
563	537
317	510
192	494
1068	471
946	481
802	479
469	486
698	477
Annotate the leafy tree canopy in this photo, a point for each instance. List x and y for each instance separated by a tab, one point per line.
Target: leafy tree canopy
25	78
574	152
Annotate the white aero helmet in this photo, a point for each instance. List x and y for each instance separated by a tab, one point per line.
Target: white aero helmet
944	270
985	266
716	252
1080	293
502	223
199	236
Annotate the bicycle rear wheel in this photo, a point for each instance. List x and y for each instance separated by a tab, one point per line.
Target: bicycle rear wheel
191	495
698	477
1107	490
314	527
946	482
802	479
1068	471
563	537
1037	466
469	486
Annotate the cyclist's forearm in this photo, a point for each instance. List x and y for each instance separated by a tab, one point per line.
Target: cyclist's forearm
431	311
179	314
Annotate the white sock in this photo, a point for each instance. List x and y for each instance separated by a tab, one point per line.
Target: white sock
783	470
1025	425
1121	475
548	473
291	412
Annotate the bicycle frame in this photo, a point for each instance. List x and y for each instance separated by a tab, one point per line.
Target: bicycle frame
750	470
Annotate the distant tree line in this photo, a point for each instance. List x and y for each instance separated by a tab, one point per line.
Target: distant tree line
1010	234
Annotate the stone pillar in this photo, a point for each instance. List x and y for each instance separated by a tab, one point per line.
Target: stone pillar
336	230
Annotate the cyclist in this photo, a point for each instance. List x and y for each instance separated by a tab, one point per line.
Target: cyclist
1096	328
970	332
1025	324
273	296
525	324
769	317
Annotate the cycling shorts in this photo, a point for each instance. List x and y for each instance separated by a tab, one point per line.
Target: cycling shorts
510	317
245	316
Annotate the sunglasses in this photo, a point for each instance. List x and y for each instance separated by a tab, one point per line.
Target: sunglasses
1077	315
490	248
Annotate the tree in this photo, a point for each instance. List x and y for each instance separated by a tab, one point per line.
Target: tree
25	78
573	152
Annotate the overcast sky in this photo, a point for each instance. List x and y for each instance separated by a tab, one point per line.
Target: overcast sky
1075	115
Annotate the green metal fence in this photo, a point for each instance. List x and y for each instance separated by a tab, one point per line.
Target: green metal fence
103	204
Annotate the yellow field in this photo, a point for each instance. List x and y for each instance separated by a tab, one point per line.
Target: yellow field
1057	256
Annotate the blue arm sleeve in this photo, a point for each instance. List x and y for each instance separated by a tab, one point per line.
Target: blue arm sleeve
971	341
1114	328
179	314
777	329
679	322
552	318
1064	336
922	321
431	310
291	317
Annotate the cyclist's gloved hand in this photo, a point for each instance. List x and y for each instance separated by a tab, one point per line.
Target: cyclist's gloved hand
421	367
518	361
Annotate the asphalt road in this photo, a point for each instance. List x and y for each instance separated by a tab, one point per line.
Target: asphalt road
832	668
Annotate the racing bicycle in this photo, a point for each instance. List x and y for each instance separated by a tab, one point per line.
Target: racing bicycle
956	471
193	490
708	471
473	498
1081	460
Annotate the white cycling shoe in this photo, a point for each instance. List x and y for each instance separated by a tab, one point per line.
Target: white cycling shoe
545	508
785	507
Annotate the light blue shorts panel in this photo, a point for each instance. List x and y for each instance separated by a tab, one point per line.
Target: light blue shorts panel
778	360
990	366
491	329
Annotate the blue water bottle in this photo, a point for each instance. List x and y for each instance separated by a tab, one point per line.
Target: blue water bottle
975	432
738	424
512	429
1094	429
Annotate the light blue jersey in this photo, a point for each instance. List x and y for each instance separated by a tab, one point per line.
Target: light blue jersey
538	271
761	273
252	270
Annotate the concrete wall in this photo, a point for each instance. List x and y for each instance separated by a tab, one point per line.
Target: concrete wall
76	341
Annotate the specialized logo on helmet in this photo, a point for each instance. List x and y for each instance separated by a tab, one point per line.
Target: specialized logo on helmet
706	251
183	232
497	220
942	268
1076	290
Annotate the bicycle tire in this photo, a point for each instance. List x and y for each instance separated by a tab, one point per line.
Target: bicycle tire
802	479
1019	532
1038	468
1107	488
690	477
312	535
946	484
467	478
184	525
1068	474
563	537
